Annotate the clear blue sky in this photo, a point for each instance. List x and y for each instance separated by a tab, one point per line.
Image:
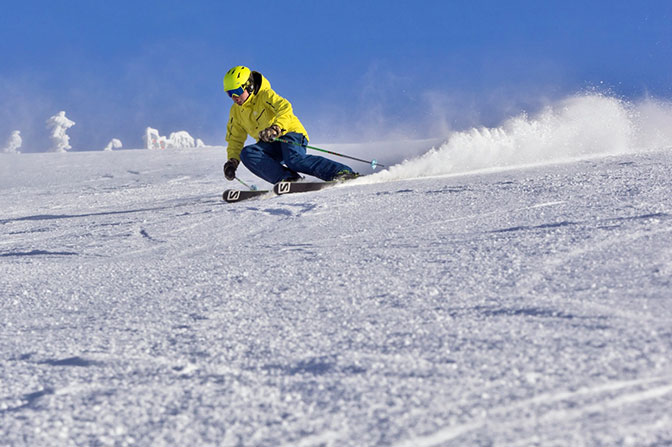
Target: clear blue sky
352	69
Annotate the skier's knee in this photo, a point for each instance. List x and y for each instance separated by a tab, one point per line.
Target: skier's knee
246	154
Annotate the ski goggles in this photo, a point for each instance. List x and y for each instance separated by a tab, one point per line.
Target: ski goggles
235	92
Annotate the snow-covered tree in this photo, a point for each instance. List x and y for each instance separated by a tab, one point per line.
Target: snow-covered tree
181	139
13	144
153	140
114	143
58	126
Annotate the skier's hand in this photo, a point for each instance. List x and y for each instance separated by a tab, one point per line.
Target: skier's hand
270	133
230	168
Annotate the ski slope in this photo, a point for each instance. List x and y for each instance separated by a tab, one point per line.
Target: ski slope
518	307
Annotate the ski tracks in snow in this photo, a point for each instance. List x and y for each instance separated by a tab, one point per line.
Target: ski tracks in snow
557	418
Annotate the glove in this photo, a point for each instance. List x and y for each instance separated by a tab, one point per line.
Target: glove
270	133
230	168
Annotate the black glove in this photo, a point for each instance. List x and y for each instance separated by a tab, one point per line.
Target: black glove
270	133
230	168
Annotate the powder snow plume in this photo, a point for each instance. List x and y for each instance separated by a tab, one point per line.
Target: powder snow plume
578	127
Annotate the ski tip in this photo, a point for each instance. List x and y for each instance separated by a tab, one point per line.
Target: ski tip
231	195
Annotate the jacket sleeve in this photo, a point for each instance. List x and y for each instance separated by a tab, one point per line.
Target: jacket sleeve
235	137
280	108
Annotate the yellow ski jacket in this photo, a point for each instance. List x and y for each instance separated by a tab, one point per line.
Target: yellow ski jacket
262	109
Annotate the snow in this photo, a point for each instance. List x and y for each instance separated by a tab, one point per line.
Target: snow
520	301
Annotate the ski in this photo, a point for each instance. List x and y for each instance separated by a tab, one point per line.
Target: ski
235	195
293	187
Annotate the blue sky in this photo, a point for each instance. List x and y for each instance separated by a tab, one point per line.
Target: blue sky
353	70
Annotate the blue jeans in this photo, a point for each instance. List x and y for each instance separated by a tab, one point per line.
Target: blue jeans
266	160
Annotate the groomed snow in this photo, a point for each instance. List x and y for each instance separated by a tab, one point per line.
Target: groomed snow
520	307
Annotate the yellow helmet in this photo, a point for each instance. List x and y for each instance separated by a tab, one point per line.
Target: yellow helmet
236	80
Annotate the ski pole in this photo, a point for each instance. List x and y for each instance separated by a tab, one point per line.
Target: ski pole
251	188
374	164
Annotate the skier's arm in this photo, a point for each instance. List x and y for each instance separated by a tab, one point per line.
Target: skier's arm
235	137
280	108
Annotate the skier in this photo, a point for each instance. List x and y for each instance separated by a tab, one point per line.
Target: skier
264	115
